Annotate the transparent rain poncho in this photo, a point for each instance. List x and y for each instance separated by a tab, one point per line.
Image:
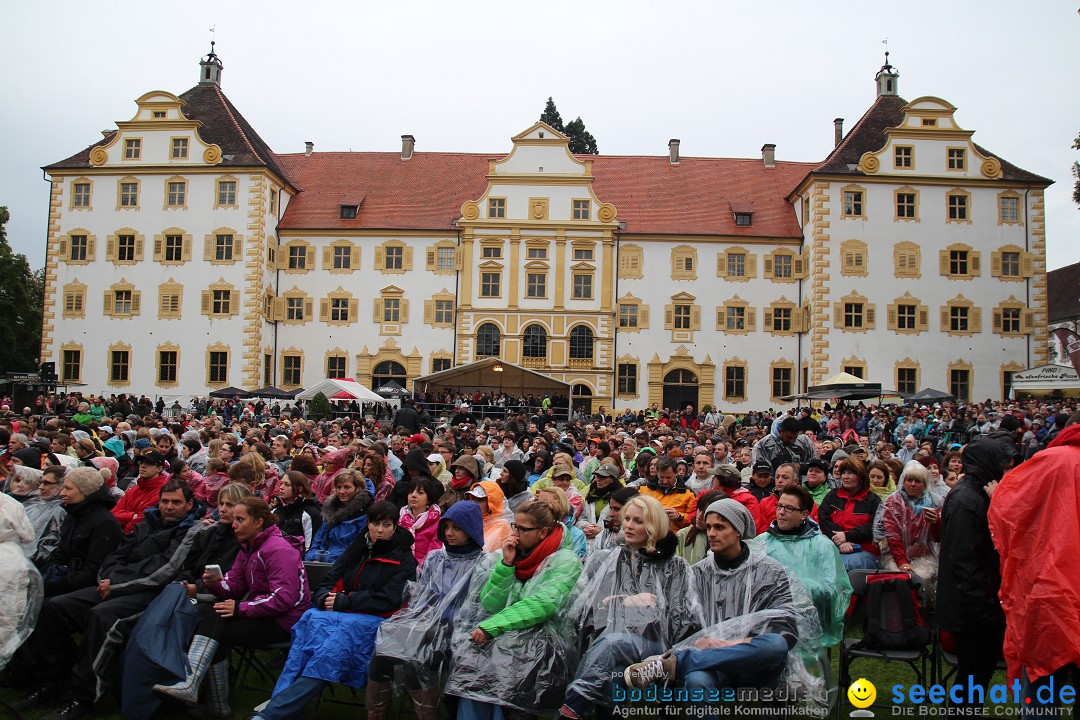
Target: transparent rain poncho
419	634
21	588
900	524
528	668
762	596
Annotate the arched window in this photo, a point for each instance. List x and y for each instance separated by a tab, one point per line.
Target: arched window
488	340
386	371
581	343
535	342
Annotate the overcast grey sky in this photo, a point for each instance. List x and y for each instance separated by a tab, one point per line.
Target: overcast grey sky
724	77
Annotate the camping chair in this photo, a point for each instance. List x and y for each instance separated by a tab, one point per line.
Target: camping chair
915	657
946	657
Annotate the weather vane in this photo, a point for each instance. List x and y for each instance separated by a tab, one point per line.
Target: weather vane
212	41
885	42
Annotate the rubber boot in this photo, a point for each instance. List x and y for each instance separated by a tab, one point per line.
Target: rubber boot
200	654
217	690
426	703
379	696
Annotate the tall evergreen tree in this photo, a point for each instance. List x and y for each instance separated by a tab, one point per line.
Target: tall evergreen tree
581	140
551	116
21	296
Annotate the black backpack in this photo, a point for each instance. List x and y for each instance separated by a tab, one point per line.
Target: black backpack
894	616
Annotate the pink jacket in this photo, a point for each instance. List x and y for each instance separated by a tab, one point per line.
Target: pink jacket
269	572
425	530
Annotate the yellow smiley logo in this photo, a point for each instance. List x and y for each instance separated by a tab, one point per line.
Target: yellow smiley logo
862	693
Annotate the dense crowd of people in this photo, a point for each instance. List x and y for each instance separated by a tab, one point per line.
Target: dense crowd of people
524	566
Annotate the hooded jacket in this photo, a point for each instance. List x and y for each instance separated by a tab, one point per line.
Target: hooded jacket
342	523
424	529
20	583
332	464
677	497
371	578
153	556
88	535
137	500
969	574
496	520
269	573
1037	542
302	518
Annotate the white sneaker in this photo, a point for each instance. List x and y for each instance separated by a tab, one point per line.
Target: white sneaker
650	670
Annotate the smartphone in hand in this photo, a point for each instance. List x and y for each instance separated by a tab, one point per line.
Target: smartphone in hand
214	571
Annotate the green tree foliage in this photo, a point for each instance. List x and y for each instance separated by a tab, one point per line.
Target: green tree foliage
581	140
319	408
21	297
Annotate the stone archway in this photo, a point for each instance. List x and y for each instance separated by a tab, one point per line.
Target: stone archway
680	389
704	371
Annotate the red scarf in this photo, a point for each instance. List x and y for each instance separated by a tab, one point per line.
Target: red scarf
526	568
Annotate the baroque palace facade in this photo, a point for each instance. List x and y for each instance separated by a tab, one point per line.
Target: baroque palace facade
185	255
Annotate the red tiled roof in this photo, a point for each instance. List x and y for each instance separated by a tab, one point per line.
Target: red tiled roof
695	197
1063	293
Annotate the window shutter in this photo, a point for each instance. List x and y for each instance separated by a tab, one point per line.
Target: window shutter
974	262
185	249
429	312
1027	264
91	244
643	316
995	264
139	248
457	259
354	257
976	320
669	317
799	267
943	262
805	327
328	257
108	302
406	259
309	309
158	242
237	247
380	258
695	317
324	310
997	321
869	316
924	318
378	316
751	319
234	302
205	302
309	258
838	314
110	248
721	265
751	265
136	301
768	267
63	249
208	247
404	318
1027	322
768	324
278	310
945	326
891	317
431	259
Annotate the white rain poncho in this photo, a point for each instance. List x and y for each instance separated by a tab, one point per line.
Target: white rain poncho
46	517
532	657
21	587
757	597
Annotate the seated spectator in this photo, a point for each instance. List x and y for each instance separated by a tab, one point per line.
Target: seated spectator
344	517
610	520
606	479
294	506
761	481
816	482
728	479
560	505
514	485
421	514
846	516
693	545
215	479
679	503
333	642
45	510
196	481
882	483
787	475
908	524
489	496
466	472
437	468
144	494
332	464
20	582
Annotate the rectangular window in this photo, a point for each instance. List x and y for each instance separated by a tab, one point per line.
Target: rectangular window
581	209
273	201
119	365
444	312
71	366
159	114
958	262
218	370
348	212
1010	321
536	253
177	193
958	318
583	254
290	370
857	370
905	205
80	195
536	285
440	364
957	158
735	317
1010	264
496	207
223	247
167	366
339	309
297	257
221	302
491	252
905	317
335	367
1009	210
902	156
294	309
129	194
958	207
132	149
490	284
853	315
179	148
445	258
226	192
783	266
680	317
853	203
394	257
268	370
905	381
77	245
391	310
781	321
929	122
960	384
734	381
744	219
628	316
125	248
342	257
121	302
627	379
736	264
781	381
174	248
582	286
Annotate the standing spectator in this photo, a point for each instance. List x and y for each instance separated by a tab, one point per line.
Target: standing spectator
787	445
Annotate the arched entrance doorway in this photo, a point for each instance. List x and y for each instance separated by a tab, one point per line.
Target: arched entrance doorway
680	390
581	397
386	371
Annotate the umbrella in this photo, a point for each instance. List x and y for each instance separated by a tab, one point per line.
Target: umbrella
930	395
229	392
274	393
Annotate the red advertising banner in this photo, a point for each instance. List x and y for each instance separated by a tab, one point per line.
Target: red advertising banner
1070	343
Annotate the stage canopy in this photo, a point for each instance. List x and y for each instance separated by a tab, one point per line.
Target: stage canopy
341	389
492	375
843	386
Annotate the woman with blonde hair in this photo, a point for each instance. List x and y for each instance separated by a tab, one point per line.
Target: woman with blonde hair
633	600
908	525
560	504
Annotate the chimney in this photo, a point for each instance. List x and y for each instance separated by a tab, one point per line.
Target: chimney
768	155
408	142
308	147
673	150
838	131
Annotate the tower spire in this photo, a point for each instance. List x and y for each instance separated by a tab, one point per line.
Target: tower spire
887	77
210	66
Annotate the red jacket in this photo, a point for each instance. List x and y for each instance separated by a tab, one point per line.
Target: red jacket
137	500
852	514
747	499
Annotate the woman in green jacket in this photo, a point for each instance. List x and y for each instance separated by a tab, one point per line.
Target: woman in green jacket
513	649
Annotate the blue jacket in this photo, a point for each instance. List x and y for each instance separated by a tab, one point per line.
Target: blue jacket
342	523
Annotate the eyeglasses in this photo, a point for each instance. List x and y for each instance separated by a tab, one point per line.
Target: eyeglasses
788	508
520	529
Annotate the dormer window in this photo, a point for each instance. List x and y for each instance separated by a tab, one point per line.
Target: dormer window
743	219
159	114
348	212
